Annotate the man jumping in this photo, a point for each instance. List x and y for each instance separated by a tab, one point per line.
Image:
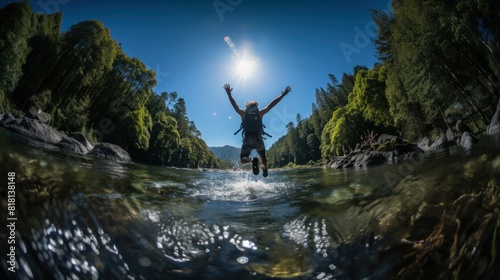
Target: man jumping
253	129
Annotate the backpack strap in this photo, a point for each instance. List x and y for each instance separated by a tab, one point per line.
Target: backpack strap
265	133
243	132
241	127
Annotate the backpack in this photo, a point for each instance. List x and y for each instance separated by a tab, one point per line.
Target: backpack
252	123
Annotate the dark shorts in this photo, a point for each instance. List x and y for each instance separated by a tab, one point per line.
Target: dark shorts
250	143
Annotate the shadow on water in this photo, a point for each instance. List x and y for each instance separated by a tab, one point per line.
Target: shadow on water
80	217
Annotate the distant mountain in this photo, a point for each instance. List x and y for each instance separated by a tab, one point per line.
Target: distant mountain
229	153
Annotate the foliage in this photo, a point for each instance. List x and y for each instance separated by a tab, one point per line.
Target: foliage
440	54
341	132
304	142
15	25
439	63
87	83
41	100
368	96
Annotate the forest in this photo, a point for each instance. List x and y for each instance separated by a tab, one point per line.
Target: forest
86	82
439	63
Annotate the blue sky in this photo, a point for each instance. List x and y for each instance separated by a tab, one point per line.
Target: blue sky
296	43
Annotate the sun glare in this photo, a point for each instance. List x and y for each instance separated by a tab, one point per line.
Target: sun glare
245	67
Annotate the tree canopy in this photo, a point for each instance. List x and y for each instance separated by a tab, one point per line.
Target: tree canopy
87	83
438	63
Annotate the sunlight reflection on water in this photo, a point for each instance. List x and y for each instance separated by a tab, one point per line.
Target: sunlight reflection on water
132	221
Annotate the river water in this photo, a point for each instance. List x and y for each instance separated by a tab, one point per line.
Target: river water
78	217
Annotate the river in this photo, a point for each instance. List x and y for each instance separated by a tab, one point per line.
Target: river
78	217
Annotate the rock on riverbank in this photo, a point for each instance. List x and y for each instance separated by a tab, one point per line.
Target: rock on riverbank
35	125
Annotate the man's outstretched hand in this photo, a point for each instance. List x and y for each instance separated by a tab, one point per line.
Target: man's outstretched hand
228	89
286	91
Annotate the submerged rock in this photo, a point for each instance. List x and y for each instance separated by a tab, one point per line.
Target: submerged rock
110	151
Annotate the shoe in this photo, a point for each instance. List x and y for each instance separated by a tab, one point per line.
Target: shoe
255	166
264	172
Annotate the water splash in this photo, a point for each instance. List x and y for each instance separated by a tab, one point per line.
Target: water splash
239	186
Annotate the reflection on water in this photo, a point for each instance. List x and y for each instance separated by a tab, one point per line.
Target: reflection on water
85	218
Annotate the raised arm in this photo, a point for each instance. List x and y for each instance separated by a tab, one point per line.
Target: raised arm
238	110
275	101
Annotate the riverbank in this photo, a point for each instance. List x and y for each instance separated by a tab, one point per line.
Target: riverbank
35	125
395	149
375	150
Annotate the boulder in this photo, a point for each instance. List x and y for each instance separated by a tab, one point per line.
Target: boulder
110	151
398	145
450	134
468	139
369	159
38	114
34	129
441	142
72	144
494	125
6	118
461	127
375	159
82	139
340	162
425	143
386	137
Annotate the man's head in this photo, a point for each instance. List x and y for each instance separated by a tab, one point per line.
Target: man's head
251	103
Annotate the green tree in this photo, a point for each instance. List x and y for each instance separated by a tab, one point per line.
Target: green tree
368	96
441	59
305	141
15	23
341	132
87	53
164	138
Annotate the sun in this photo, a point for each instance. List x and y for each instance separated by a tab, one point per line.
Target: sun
245	67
